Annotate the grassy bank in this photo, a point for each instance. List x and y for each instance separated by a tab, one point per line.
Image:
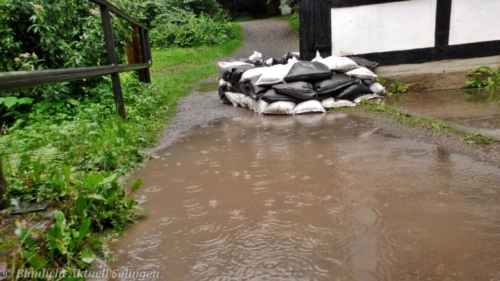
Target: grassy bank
177	70
72	154
435	125
293	19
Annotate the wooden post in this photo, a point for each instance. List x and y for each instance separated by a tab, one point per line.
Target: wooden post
137	53
144	54
113	60
4	203
315	28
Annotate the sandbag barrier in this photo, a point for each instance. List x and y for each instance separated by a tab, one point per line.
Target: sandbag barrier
291	86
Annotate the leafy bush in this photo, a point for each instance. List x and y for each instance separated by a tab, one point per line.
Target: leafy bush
191	31
43	34
185	26
483	77
74	156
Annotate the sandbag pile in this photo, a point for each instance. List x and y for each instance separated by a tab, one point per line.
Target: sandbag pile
291	86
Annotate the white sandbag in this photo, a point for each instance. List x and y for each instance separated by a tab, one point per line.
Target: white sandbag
280	108
255	57
224	65
318	57
231	97
242	100
261	106
251	73
222	83
272	75
309	106
362	73
275	74
332	103
339	64
251	104
269	62
366	97
378	89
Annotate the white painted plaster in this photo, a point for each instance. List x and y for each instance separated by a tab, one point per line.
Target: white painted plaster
384	27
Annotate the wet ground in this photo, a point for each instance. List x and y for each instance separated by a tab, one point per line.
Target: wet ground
314	197
272	37
471	110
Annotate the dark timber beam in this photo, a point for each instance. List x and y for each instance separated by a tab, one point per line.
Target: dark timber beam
113	60
315	28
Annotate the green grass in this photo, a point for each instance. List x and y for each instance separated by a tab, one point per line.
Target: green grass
293	19
177	70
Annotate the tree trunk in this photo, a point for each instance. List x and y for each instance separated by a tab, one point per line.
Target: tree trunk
4	203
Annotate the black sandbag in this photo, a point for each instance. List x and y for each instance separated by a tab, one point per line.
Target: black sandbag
245	89
222	95
300	90
271	62
335	82
271	96
308	71
259	63
290	55
353	91
237	71
256	89
368	82
322	97
371	65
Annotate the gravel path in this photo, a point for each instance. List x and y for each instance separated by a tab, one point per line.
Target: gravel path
272	37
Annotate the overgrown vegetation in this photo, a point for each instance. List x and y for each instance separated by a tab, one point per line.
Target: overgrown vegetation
485	80
65	145
483	77
397	87
180	23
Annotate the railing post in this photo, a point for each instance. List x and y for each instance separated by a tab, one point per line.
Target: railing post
145	54
113	60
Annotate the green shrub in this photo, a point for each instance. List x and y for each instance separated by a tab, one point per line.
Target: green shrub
186	29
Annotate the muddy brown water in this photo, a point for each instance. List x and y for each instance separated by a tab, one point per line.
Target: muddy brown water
314	197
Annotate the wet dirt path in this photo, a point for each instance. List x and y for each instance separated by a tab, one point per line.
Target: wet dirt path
315	197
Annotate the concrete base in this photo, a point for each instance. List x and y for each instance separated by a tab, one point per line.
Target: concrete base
439	75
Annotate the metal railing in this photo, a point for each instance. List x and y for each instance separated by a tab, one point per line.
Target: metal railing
25	79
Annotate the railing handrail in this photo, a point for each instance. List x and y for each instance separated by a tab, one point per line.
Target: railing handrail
112	8
25	79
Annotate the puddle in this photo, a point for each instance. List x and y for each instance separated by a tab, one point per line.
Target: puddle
483	108
315	197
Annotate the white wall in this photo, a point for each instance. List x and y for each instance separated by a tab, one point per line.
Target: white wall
384	27
285	10
474	21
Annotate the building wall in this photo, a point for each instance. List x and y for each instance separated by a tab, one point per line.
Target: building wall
383	27
474	21
399	31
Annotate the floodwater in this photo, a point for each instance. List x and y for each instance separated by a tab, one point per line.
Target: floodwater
314	197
